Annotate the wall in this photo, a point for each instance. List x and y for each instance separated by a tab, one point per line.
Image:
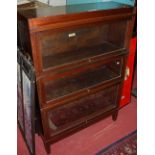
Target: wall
57	2
43	1
54	2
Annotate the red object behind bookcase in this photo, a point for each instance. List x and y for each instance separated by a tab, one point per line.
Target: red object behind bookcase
126	92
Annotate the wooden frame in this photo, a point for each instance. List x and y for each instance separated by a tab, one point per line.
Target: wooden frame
27	71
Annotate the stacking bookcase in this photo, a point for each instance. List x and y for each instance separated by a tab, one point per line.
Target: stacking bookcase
79	55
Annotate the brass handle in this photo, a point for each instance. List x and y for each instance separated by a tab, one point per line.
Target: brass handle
88	90
118	62
89	60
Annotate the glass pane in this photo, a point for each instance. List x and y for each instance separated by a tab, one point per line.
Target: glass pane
65	46
93	76
69	115
27	99
19	98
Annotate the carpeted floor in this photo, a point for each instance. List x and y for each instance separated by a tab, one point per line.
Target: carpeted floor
124	146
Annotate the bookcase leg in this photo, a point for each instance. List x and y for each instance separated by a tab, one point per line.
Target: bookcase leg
114	116
48	149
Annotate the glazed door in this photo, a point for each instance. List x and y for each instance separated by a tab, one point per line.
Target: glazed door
78	82
79	112
73	45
